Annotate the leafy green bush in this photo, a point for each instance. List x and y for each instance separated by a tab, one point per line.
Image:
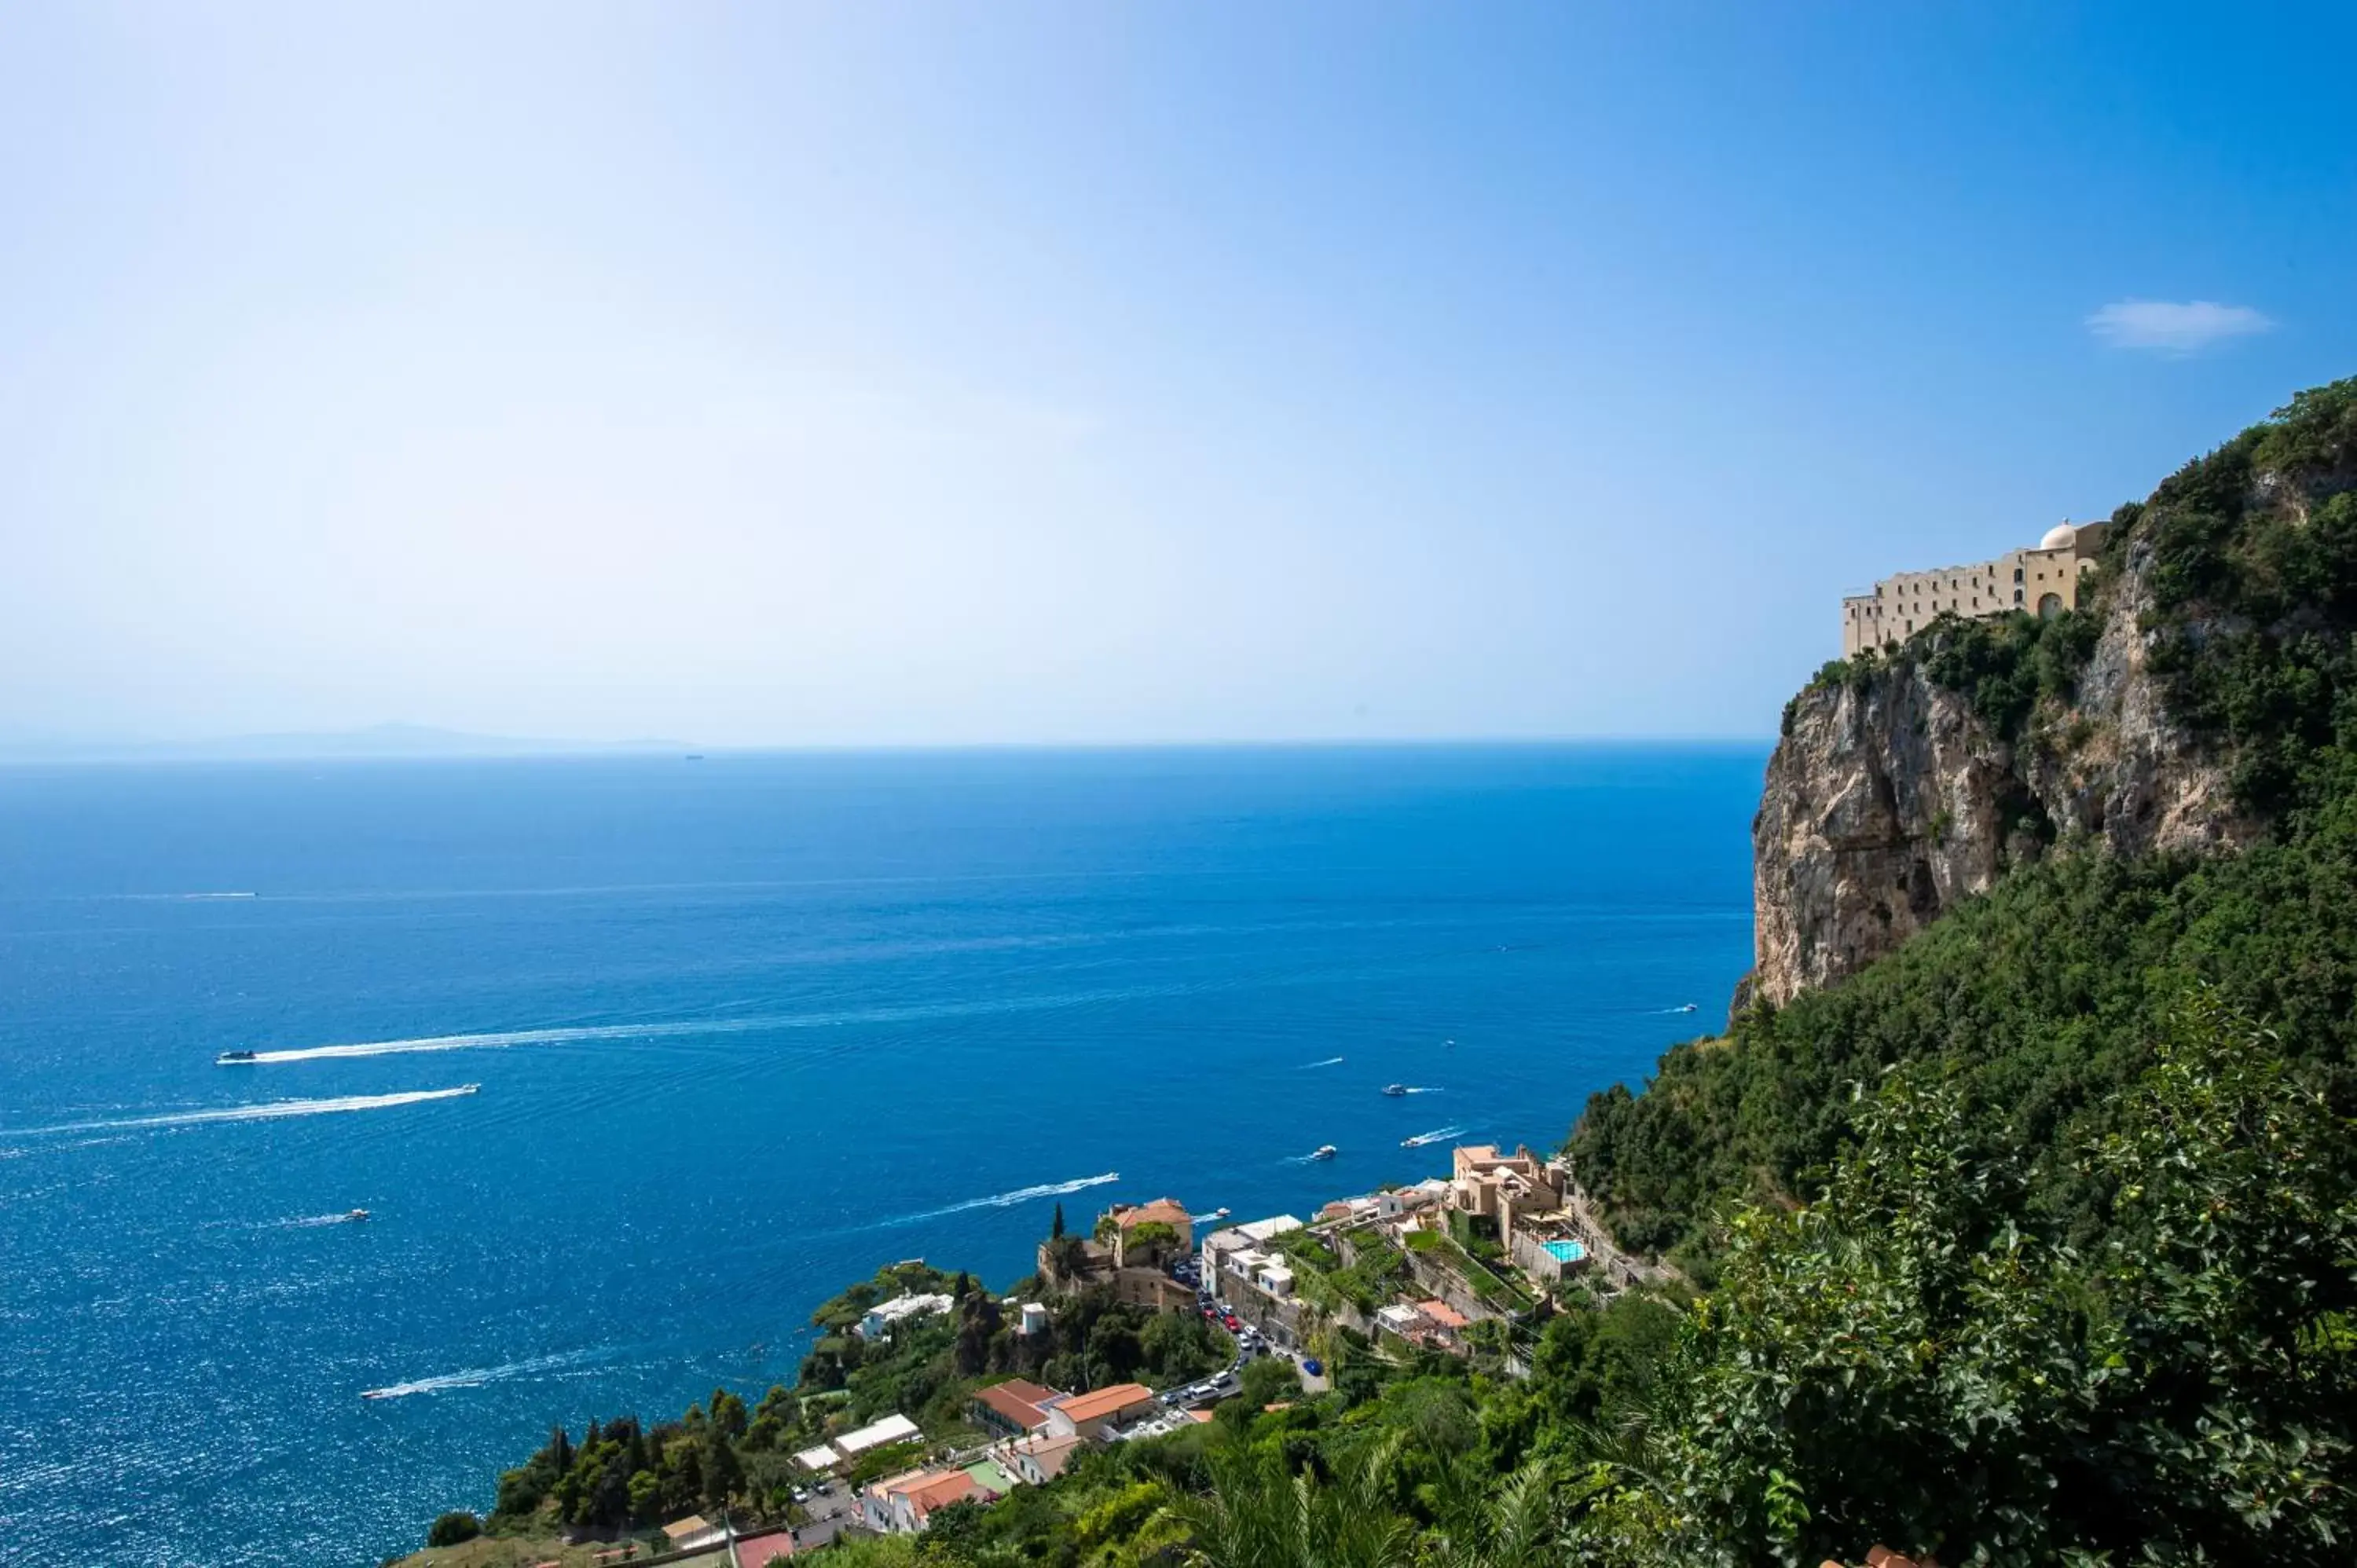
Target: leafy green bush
2253	626
1919	1357
452	1529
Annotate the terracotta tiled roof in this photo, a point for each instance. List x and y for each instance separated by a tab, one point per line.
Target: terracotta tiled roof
1023	1403
1443	1313
1104	1402
954	1486
1048	1452
1165	1210
899	1483
761	1551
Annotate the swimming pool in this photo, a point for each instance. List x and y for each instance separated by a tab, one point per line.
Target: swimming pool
1564	1251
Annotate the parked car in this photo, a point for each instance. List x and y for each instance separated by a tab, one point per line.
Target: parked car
1311	1365
1232	1322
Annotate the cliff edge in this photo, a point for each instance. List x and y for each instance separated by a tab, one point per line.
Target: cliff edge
1908	781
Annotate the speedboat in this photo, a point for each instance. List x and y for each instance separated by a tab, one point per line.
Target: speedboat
358	1214
1324	1151
470	1088
227	1057
1395	1089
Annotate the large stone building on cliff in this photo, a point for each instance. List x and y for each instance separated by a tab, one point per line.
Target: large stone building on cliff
2043	581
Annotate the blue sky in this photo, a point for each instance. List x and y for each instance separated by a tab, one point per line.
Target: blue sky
878	373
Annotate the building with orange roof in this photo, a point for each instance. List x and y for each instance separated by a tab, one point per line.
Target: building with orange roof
1093	1415
1443	1313
761	1551
1039	1459
1014	1407
1124	1218
903	1504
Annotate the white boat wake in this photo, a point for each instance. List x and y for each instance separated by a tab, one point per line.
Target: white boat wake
501	1040
1330	1061
268	1111
684	1028
1421	1139
1008	1199
477	1377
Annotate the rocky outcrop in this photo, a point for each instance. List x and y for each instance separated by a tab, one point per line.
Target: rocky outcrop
1888	799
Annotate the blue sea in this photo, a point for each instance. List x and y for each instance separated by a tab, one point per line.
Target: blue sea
743	1029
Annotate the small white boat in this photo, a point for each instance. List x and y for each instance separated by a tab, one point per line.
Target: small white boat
358	1214
1395	1089
229	1058
1324	1151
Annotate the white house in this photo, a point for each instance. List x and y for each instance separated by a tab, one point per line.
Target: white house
880	1319
893	1428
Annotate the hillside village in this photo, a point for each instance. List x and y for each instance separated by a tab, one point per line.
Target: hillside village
1461	1266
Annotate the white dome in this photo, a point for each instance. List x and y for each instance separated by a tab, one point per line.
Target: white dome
2057	536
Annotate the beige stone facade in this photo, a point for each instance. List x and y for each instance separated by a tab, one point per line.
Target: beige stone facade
1501	1187
2042	581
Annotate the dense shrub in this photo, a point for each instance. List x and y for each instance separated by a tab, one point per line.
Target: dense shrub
451	1529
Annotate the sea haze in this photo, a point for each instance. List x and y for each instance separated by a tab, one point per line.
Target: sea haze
745	1029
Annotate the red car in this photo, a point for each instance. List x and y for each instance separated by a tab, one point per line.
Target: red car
1230	1321
1211	1315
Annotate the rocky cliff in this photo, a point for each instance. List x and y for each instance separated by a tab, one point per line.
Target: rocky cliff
1892	796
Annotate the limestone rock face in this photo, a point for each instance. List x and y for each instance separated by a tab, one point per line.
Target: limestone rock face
1889	801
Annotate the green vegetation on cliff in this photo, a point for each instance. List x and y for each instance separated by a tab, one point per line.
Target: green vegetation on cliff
2039	1001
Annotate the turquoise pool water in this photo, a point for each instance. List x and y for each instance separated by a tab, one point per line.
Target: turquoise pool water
1566	1252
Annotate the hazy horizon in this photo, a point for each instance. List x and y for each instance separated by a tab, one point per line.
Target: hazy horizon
800	376
395	741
